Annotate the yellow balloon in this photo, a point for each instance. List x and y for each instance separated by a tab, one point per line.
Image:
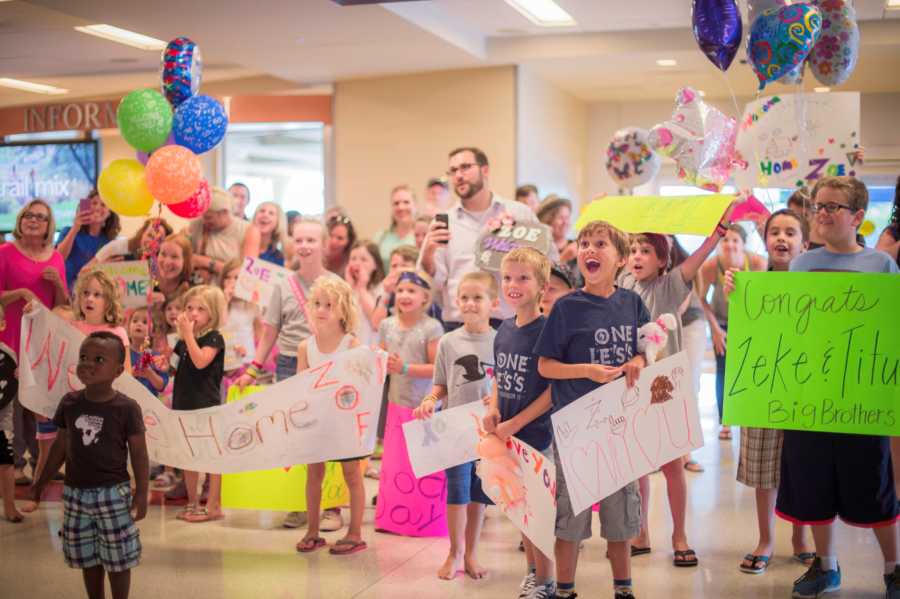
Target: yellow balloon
866	228
123	188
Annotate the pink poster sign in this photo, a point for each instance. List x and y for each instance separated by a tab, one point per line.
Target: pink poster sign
409	506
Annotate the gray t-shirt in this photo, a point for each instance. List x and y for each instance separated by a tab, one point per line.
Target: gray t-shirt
465	365
663	294
412	347
867	260
286	315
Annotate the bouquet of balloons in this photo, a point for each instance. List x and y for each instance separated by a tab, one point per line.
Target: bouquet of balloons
168	129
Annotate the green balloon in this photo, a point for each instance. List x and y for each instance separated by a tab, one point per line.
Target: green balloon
145	119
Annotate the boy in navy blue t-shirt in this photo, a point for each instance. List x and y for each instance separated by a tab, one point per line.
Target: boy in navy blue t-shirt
589	339
520	404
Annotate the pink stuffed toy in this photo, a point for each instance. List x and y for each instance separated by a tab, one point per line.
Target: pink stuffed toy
652	336
498	469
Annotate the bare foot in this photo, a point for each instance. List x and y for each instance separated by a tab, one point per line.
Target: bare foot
450	567
474	569
29	506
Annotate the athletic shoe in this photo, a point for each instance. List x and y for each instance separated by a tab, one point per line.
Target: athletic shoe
294	520
817	581
331	521
527	586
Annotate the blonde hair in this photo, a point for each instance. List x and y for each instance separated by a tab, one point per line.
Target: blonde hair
540	265
114	312
483	278
279	234
51	222
855	190
312	221
213	300
429	293
341	296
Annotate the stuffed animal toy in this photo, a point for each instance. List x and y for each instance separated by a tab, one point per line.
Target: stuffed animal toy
498	469
653	335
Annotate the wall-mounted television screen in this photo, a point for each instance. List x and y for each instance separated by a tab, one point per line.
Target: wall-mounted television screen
60	172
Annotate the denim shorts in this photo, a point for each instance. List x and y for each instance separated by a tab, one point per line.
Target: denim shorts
98	529
464	486
285	367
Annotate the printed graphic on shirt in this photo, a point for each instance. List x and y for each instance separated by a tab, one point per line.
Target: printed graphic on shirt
474	369
614	345
90	427
513	369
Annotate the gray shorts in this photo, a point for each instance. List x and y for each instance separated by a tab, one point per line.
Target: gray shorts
620	513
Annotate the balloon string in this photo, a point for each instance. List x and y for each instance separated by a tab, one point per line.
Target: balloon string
739	121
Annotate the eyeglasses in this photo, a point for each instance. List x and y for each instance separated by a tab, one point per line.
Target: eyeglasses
36	216
451	172
830	207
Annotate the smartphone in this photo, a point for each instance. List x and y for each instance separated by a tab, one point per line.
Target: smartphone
85	206
443	218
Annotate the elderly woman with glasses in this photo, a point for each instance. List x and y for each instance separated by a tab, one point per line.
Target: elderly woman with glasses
31	271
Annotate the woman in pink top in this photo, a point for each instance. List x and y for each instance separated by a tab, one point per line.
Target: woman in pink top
30	269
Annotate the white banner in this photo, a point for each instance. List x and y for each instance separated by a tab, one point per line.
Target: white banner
257	279
132	277
614	435
522	483
447	439
326	413
791	140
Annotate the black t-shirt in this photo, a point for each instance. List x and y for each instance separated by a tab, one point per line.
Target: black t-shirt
97	447
196	389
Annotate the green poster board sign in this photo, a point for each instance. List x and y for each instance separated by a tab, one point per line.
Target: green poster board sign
814	351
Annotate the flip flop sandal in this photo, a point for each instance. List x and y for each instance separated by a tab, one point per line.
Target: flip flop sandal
758	563
694	466
685	559
635	550
352	547
806	557
187	511
303	546
202	515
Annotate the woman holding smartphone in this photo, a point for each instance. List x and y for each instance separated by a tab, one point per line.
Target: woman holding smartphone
95	225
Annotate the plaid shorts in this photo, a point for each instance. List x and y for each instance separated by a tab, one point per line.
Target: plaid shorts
759	463
98	529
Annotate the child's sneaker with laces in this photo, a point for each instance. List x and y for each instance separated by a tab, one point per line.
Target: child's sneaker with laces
527	586
543	591
817	581
624	595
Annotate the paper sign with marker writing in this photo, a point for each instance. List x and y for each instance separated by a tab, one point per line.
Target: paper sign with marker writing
326	413
239	346
791	140
689	215
257	279
278	489
132	277
447	439
814	351
522	483
615	435
407	505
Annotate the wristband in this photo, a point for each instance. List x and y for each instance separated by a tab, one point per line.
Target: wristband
721	229
430	397
405	368
258	365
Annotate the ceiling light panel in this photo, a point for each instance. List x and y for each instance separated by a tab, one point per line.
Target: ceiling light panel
35	88
544	13
123	36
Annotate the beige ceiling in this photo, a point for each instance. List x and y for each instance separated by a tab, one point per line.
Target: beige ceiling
283	45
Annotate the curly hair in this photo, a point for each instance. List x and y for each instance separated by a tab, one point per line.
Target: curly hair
114	313
341	296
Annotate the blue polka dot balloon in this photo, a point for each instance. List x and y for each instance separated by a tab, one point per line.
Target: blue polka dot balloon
200	124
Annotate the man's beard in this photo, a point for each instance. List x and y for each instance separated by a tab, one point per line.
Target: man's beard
473	188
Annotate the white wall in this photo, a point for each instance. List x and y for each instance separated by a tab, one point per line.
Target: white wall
551	138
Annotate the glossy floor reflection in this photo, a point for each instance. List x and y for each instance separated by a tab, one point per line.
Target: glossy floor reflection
249	555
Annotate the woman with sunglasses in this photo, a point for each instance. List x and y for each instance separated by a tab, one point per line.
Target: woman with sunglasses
31	270
341	237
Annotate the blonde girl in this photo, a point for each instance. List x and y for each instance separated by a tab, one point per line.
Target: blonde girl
199	363
334	314
410	337
267	237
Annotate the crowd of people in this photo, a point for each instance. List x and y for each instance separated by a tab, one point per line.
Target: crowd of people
414	290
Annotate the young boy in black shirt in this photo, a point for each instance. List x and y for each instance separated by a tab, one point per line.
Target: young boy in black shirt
99	534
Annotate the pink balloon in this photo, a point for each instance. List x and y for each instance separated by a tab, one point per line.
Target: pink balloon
195	205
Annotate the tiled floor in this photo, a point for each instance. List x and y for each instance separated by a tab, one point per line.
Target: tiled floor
249	556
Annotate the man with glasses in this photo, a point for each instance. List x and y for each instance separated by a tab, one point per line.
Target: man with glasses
449	252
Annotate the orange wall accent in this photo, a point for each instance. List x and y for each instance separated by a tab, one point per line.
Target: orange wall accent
279	109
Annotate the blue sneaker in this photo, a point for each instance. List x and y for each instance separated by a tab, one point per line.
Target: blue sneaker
892	583
817	581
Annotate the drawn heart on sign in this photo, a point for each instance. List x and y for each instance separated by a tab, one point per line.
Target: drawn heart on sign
647	433
564	432
589	454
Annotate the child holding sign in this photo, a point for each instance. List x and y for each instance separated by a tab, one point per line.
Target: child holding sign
461	376
786	235
663	292
826	475
332	310
590	339
520	402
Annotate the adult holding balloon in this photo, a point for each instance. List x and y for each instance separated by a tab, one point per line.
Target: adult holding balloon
217	237
93	228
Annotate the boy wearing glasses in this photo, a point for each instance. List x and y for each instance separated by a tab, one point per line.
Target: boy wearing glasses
826	475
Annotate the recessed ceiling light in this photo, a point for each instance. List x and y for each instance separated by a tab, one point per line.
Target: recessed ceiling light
36	88
545	13
123	36
822	90
667	62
